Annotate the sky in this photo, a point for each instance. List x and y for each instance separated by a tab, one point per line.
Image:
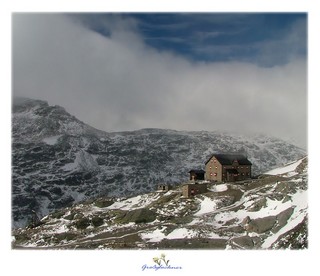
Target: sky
241	72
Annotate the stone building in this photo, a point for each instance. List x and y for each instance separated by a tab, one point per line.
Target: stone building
227	168
197	175
164	187
190	190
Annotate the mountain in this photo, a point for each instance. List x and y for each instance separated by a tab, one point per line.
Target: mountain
57	160
265	213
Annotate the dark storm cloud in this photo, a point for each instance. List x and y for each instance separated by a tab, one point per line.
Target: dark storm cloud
111	79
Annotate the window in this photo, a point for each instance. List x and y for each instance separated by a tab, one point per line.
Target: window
215	174
210	174
210	167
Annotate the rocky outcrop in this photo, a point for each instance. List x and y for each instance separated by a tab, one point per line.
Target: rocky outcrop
259	225
142	215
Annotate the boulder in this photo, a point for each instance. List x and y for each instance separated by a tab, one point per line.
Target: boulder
245	242
142	215
257	205
261	225
282	219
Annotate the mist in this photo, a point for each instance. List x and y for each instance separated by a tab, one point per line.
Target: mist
117	82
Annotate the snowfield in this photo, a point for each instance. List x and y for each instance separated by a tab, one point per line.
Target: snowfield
289	169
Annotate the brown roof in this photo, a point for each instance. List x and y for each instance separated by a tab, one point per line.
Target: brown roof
228	159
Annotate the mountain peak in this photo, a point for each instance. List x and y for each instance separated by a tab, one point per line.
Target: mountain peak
59	160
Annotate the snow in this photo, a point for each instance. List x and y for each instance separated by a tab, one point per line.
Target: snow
289	169
273	208
83	161
155	236
207	205
51	140
62	229
136	202
219	188
300	211
181	233
158	235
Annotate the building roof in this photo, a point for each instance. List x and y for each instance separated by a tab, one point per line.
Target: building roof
228	159
197	171
233	171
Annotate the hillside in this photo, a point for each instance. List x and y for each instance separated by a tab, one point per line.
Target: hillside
57	160
266	213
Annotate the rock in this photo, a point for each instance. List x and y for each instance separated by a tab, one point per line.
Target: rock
97	221
142	215
243	242
261	225
101	203
282	219
82	223
245	221
257	205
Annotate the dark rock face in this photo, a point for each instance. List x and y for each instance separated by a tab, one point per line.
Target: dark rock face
142	215
58	160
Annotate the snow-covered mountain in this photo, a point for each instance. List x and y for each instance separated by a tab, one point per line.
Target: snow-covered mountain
57	160
265	213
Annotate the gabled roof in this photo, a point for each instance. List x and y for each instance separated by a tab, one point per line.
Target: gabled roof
228	159
197	171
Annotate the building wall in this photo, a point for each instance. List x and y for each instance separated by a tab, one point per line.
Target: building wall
197	189
213	170
164	188
217	172
244	171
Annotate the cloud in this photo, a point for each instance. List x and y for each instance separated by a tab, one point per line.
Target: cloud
116	82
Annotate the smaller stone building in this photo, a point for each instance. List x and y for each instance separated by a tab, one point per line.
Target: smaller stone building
190	190
197	174
164	187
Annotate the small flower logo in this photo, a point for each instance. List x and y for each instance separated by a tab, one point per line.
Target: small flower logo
158	260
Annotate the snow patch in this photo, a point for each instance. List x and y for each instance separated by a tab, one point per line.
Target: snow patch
289	169
83	162
158	235
207	205
136	202
155	236
219	188
300	202
51	140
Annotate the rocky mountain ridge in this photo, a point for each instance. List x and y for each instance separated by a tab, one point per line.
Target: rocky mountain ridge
57	160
